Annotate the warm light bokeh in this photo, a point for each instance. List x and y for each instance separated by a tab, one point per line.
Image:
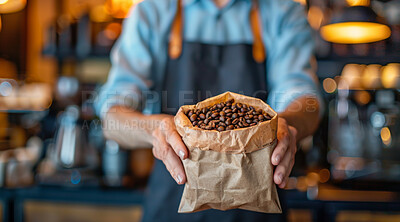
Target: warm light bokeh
355	32
120	8
329	85
391	76
358	2
386	136
7	6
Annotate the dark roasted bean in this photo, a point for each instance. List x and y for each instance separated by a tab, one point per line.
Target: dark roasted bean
226	116
193	117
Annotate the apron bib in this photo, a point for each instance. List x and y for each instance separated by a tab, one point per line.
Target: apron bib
194	72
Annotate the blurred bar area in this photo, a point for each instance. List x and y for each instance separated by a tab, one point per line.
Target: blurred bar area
56	165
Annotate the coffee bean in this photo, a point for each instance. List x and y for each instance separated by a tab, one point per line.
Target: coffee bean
226	116
193	117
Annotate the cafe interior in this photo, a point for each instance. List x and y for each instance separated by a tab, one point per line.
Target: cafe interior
56	164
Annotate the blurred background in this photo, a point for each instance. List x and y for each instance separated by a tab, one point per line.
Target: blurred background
55	164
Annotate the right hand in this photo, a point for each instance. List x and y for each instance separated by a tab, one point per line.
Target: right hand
169	148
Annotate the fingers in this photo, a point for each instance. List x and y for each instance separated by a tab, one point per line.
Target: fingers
282	171
164	152
175	167
284	153
175	140
280	150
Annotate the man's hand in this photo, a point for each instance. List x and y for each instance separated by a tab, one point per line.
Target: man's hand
169	148
284	152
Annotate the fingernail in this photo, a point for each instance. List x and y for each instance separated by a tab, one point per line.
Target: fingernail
280	177
181	154
179	179
277	159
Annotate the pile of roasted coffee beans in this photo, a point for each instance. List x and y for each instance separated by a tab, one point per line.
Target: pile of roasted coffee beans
226	116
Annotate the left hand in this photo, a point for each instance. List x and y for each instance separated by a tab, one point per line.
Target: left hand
284	152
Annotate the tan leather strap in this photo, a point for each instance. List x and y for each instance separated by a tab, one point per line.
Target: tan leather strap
175	38
256	27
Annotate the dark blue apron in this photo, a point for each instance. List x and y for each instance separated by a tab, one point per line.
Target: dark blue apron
201	71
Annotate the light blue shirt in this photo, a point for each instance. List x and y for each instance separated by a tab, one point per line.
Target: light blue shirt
139	56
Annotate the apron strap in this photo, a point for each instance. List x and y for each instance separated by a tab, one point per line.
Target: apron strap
256	27
175	38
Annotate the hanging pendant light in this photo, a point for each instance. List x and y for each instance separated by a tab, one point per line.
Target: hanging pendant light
11	6
355	25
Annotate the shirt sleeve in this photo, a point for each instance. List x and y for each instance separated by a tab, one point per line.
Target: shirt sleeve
290	52
131	60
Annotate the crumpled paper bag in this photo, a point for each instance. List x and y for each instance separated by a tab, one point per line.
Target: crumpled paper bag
229	169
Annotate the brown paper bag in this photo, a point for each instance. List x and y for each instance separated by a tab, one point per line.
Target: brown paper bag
229	169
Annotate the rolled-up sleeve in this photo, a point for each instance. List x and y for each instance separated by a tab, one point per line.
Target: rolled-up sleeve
131	68
290	74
